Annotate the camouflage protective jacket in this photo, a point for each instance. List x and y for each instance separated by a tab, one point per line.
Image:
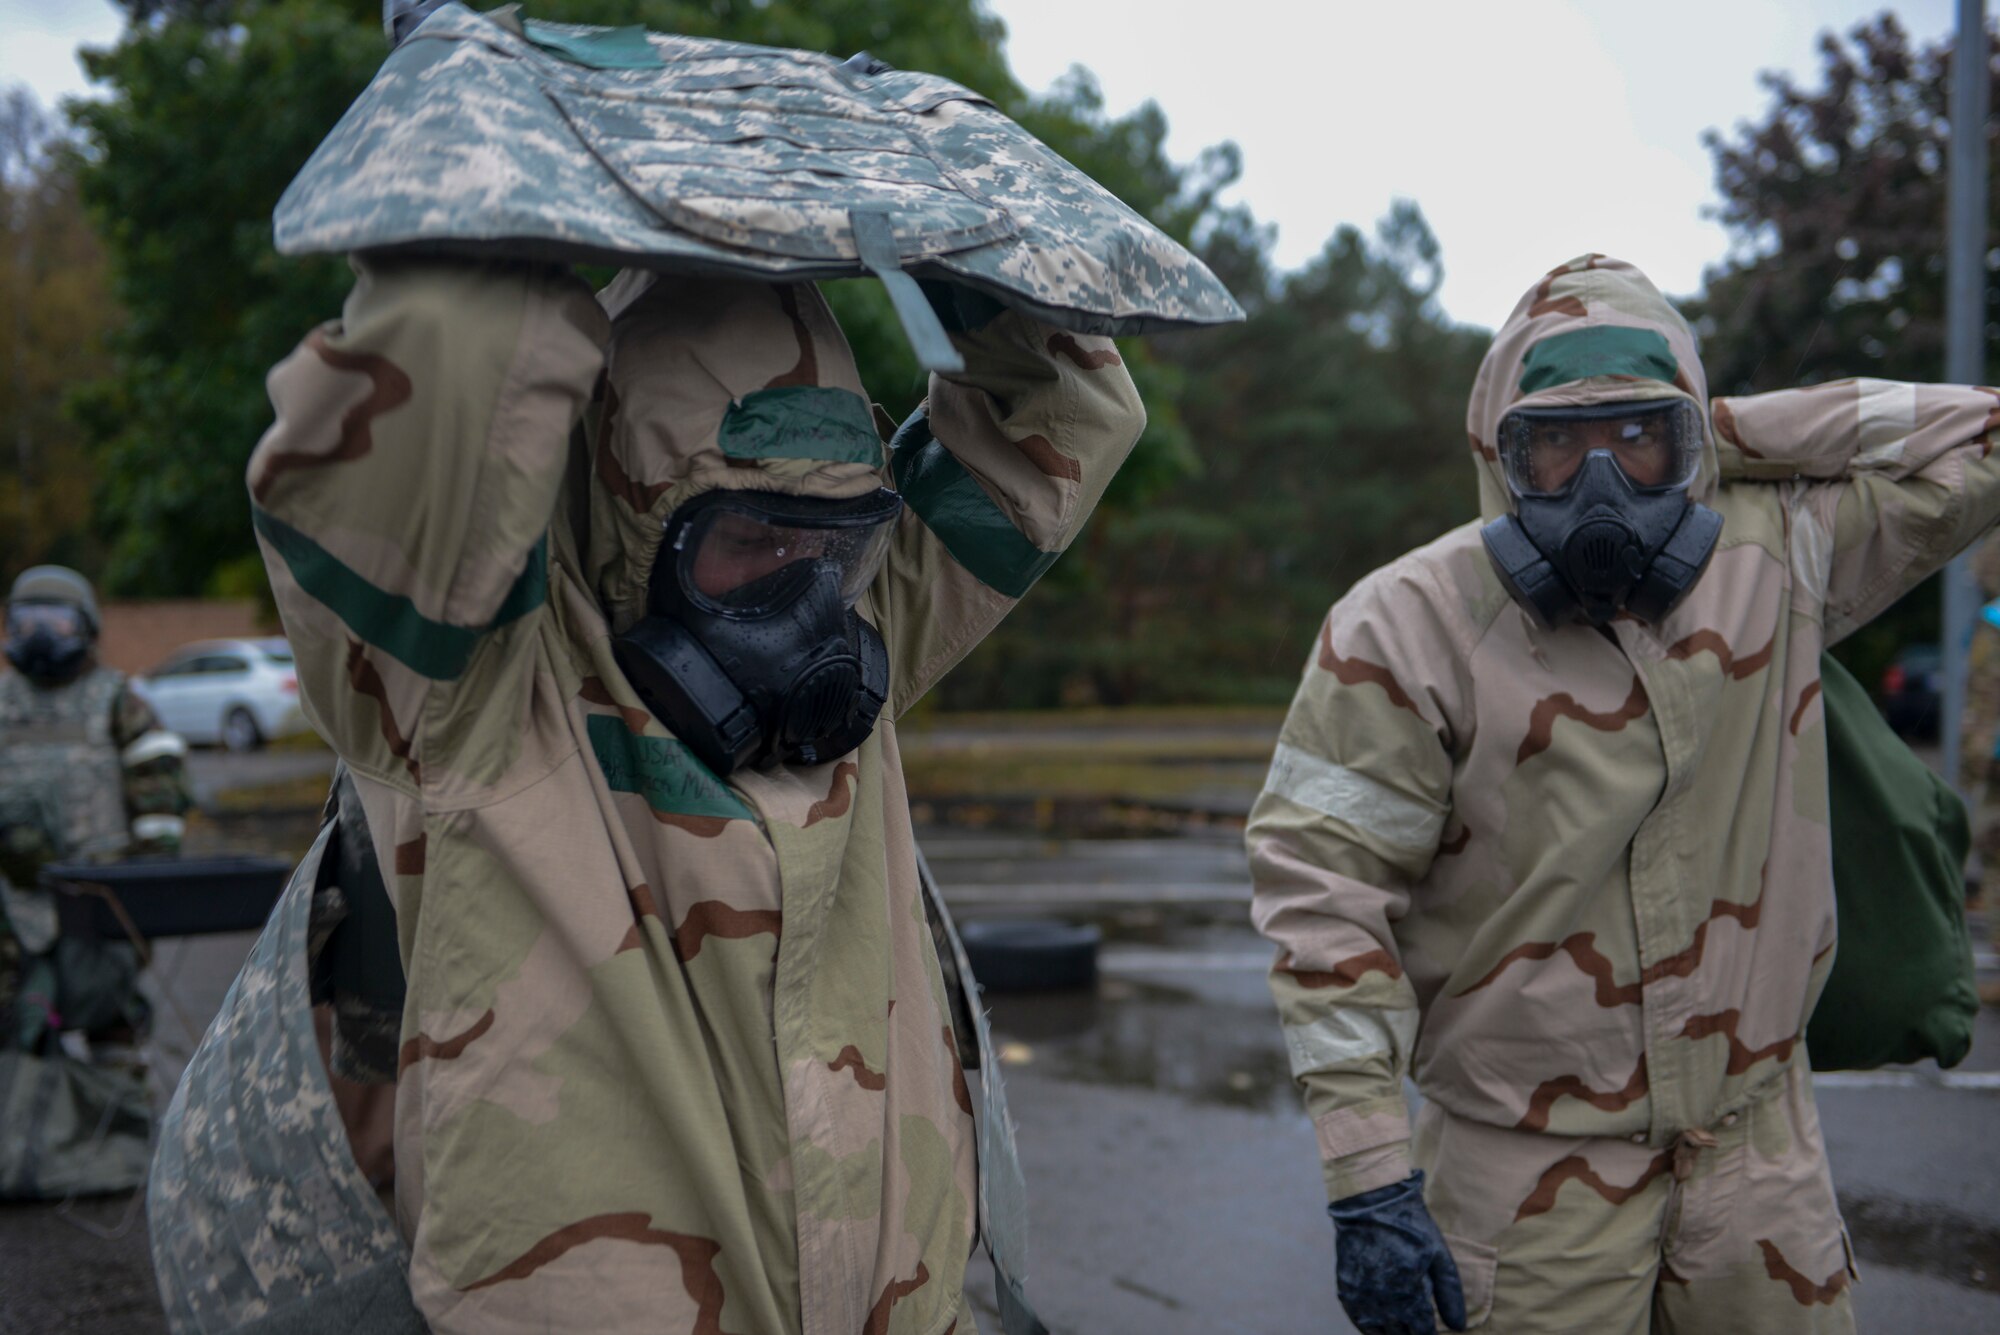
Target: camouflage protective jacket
675	1054
1578	881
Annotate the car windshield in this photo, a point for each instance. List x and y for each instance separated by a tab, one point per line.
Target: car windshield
276	651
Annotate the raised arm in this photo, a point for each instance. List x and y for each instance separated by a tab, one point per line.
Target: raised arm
1000	468
1888	481
1350	816
402	497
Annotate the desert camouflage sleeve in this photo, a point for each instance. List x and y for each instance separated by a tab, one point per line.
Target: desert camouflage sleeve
403	495
155	775
1351	815
999	469
1887	481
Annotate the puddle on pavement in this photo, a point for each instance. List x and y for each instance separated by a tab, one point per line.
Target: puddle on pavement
1926	1238
1181	925
1147	1035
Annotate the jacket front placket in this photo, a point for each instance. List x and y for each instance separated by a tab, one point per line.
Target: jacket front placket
833	1271
1663	899
59	739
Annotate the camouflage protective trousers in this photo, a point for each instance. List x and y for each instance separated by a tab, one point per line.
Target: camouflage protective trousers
1728	1231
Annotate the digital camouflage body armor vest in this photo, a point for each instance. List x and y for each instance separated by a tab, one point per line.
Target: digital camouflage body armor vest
58	741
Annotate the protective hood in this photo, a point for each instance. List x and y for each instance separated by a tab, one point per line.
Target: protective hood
1594	330
714	384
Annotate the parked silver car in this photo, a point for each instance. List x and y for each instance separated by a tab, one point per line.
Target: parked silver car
241	693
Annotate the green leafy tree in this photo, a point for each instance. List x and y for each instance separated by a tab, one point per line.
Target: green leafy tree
53	320
213	109
1835	200
1330	430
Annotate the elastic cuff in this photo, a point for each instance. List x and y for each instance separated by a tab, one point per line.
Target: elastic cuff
158	829
1359	1127
1356	1173
158	744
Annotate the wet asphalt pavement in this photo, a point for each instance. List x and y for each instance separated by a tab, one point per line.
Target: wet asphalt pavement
1173	1176
1171	1171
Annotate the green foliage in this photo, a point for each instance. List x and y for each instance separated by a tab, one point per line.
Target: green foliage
54	317
1330	432
182	167
1836	200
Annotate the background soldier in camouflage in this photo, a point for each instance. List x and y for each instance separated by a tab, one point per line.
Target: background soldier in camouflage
72	728
86	773
1979	744
1577	882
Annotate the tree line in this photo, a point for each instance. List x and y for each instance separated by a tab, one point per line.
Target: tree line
1284	457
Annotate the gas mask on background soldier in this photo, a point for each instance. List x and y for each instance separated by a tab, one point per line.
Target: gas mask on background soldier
47	642
750	650
1602	521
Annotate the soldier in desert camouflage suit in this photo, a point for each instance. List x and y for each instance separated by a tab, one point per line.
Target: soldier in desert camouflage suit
1576	882
86	774
676	1054
1979	743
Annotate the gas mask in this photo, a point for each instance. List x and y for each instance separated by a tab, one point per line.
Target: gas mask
47	642
750	649
1603	521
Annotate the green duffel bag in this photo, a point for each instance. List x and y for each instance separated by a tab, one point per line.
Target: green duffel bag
1902	984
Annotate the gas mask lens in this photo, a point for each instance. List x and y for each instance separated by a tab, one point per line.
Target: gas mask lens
59	620
742	552
1656	444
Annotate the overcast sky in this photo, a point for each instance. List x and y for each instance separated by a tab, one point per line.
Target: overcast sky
1528	130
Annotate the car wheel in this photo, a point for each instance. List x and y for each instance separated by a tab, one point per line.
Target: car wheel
1030	954
240	731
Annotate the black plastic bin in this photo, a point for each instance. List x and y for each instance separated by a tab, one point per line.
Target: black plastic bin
168	896
1031	954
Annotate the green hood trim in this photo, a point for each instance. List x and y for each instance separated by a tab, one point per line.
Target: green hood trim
1598	350
662	770
390	621
801	422
966	520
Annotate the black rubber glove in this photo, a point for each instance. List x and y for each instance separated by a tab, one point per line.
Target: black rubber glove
1390	1262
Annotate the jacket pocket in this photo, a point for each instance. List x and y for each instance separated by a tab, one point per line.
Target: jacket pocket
1476	1263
